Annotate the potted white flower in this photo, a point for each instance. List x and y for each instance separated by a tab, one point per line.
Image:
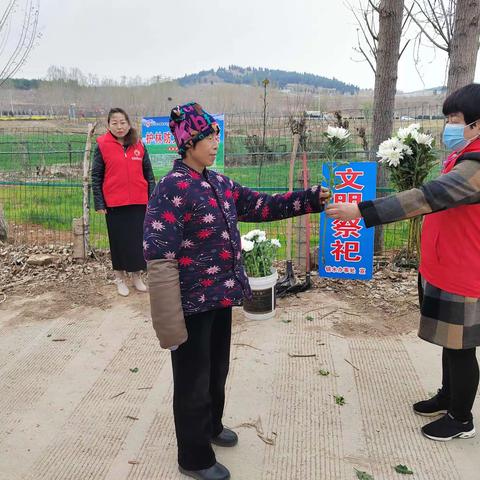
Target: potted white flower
258	255
410	158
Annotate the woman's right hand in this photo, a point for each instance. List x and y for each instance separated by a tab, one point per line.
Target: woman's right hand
104	212
343	211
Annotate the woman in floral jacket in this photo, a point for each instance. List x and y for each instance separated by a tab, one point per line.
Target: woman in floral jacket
193	252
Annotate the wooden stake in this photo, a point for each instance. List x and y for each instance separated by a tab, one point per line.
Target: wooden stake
296	141
86	187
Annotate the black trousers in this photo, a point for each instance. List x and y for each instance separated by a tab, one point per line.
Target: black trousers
460	376
200	369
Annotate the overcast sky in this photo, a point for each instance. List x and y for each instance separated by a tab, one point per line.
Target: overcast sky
175	37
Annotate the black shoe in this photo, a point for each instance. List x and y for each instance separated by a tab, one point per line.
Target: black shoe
437	405
215	472
447	428
228	438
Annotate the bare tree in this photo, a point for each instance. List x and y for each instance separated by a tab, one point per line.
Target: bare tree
452	26
380	25
367	18
18	33
464	46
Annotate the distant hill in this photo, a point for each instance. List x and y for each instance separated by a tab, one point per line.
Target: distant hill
255	76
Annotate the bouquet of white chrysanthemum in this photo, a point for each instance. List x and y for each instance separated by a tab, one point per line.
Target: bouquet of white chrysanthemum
409	156
258	253
336	144
337	141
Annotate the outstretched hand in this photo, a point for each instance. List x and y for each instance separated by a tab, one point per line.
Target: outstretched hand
343	211
324	195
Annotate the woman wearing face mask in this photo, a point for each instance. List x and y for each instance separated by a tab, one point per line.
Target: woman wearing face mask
122	181
449	284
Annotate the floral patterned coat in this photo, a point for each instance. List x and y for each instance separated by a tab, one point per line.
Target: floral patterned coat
191	221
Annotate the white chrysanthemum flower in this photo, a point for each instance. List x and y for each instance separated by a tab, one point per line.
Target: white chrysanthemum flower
247	245
394	157
260	236
337	132
391	151
422	138
255	233
405	132
275	242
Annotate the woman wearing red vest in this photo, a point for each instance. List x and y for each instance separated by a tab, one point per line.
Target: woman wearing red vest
449	283
122	181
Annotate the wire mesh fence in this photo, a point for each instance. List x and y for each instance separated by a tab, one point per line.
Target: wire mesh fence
41	169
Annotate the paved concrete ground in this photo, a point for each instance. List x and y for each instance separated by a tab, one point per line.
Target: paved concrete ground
71	408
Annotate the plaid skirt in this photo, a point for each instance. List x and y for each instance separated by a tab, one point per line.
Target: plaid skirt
446	319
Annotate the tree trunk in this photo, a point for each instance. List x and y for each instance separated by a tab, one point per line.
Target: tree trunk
464	45
390	14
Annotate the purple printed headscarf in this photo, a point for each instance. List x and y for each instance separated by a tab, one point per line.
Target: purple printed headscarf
189	124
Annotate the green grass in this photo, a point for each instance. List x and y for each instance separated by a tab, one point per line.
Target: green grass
27	151
53	205
54	208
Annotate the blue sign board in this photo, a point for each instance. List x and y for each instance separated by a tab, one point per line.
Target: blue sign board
346	247
161	145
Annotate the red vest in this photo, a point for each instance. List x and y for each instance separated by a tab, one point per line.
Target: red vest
124	183
450	254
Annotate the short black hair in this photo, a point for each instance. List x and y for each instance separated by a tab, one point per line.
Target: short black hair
465	100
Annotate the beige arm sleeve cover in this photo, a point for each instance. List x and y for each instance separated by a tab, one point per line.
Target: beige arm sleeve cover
165	302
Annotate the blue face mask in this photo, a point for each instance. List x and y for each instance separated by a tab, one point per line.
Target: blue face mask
454	136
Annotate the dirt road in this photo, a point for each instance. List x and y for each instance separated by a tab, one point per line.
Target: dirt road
86	394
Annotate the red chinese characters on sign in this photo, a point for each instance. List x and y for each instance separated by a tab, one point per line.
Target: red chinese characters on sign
346	251
159	138
349	178
346	229
168	138
351	197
